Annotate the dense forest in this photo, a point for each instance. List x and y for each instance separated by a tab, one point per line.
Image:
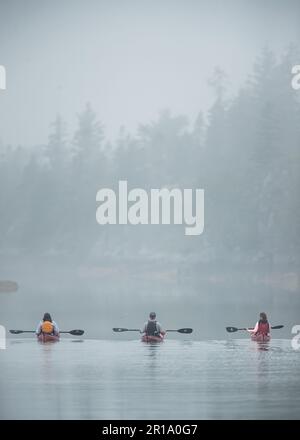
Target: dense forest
245	154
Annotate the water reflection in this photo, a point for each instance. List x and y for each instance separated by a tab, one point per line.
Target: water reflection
262	346
232	344
132	380
16	341
151	351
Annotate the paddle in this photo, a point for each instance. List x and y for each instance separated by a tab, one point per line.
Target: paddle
71	332
182	330
234	329
119	330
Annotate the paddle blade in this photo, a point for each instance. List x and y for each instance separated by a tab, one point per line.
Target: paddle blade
185	330
231	329
276	327
76	332
15	332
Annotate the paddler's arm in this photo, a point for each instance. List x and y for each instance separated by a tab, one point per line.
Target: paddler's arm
56	329
160	329
39	328
253	330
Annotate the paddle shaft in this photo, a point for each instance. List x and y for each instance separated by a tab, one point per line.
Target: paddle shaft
235	329
120	329
276	327
24	331
72	332
180	330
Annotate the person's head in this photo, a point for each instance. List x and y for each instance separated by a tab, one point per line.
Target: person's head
152	315
47	317
263	317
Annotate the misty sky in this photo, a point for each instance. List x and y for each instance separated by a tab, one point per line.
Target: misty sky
129	58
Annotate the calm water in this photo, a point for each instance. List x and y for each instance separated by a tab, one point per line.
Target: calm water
96	379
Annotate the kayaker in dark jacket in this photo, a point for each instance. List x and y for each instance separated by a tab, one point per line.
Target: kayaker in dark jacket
47	326
153	327
262	327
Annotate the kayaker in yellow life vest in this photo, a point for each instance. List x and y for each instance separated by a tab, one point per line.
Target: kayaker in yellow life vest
153	327
47	326
262	327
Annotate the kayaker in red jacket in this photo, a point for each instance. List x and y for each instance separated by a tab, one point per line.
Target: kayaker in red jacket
262	327
153	327
47	326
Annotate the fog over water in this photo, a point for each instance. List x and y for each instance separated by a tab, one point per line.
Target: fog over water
203	93
173	95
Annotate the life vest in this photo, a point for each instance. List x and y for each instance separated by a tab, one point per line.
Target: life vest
151	329
47	327
263	328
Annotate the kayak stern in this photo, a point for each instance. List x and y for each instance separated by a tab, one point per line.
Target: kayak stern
43	337
146	338
261	338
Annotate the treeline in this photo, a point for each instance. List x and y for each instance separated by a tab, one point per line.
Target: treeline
245	154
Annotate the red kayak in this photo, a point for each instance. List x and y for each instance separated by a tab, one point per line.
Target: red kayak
159	338
261	337
43	337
